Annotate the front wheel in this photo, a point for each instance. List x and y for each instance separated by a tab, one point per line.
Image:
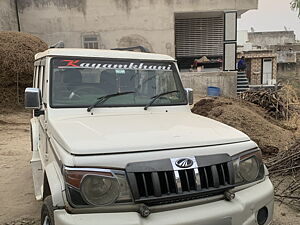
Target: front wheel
47	217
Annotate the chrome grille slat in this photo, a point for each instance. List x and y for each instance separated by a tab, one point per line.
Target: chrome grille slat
197	179
178	182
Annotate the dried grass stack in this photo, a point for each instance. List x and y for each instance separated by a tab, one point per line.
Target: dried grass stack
17	52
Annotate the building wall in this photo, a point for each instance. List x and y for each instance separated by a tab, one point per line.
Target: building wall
286	57
266	39
8	17
255	64
199	81
289	73
288	64
255	71
286	70
116	22
293	47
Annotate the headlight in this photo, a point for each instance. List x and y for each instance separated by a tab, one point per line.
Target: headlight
248	167
99	190
97	187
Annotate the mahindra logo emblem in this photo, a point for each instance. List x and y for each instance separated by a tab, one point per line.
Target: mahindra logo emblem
184	163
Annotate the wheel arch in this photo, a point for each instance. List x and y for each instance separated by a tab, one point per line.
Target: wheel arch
53	185
34	131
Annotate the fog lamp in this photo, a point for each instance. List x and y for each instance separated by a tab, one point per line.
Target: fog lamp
262	215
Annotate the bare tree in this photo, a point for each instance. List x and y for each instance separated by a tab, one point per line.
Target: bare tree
295	5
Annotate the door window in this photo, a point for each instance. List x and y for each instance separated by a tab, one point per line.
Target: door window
267	72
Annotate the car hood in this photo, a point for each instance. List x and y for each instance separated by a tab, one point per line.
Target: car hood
135	133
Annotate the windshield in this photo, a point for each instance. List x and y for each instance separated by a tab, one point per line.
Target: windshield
80	82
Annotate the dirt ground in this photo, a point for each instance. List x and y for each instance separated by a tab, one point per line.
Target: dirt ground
16	188
18	205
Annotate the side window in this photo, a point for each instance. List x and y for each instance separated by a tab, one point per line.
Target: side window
41	80
35	77
44	81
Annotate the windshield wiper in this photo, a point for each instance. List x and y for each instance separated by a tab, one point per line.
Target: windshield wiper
154	98
104	98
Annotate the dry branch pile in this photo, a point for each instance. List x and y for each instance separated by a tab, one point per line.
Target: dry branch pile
281	104
285	166
286	161
17	52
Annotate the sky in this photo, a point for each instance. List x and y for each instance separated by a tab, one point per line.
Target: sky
271	15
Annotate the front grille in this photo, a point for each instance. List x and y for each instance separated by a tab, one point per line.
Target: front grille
157	182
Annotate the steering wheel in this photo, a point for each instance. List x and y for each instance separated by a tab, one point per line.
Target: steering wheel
75	93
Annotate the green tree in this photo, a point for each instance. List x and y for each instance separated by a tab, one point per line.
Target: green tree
295	5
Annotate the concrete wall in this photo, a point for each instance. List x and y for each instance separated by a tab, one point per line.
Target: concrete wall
199	81
286	71
116	22
294	47
265	39
288	64
8	16
286	57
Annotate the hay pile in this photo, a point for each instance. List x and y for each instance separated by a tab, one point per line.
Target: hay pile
17	52
248	118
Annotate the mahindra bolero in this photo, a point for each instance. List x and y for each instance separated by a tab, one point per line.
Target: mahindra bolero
114	142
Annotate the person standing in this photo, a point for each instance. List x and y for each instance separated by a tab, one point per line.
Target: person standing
242	64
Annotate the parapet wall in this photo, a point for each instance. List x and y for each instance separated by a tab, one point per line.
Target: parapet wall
199	81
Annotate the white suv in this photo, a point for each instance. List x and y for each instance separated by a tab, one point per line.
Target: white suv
114	142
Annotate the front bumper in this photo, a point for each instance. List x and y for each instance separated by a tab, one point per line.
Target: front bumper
242	210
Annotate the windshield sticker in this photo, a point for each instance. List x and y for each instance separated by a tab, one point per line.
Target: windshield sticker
120	71
71	63
63	64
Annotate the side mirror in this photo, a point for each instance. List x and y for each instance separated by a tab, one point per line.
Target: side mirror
33	98
189	95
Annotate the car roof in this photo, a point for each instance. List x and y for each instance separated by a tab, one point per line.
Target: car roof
100	53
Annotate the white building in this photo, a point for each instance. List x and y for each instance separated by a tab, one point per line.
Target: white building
186	30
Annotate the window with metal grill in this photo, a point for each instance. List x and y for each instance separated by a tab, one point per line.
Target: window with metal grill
91	41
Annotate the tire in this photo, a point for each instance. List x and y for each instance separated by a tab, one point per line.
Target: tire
47	216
